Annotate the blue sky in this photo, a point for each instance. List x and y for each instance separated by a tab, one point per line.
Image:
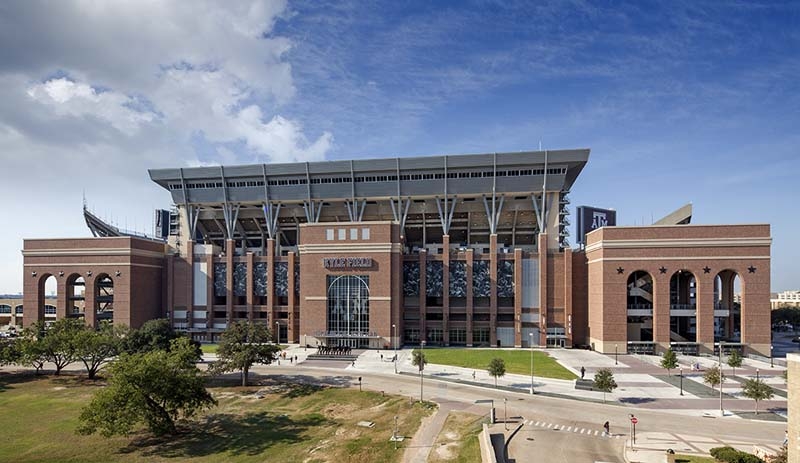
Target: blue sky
679	101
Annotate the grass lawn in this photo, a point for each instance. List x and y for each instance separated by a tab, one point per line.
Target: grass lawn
693	459
517	361
209	348
292	422
458	440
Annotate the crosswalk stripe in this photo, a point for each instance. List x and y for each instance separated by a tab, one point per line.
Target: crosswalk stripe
550	426
616	437
569	428
582	430
537	423
576	429
595	433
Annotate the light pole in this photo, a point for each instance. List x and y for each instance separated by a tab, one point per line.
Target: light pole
616	354
531	336
721	410
394	433
394	342
681	381
756	374
771	364
277	332
421	367
505	413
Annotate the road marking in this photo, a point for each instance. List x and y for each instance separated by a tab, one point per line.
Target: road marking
582	430
550	426
576	429
569	429
595	433
537	423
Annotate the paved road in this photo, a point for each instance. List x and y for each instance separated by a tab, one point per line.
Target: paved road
563	412
566	441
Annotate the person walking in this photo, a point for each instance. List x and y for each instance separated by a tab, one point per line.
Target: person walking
607	427
583	372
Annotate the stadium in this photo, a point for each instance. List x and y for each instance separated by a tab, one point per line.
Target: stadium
457	250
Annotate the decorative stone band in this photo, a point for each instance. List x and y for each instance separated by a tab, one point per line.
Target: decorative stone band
679	243
348	248
92	252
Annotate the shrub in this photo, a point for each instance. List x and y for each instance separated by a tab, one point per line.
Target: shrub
731	455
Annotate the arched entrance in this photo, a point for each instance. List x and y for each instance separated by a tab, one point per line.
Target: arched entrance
683	308
727	307
640	309
348	311
104	297
76	296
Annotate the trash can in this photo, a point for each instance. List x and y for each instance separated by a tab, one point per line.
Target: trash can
670	456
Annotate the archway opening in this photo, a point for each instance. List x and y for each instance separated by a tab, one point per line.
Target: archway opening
640	308
348	311
76	296
683	307
104	298
727	306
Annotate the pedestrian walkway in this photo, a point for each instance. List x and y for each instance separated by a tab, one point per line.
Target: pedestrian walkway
650	447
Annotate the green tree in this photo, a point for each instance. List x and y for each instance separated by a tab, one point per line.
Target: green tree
419	360
58	342
604	381
735	361
9	353
497	368
154	335
757	389
714	376
29	351
669	361
153	388
96	347
242	345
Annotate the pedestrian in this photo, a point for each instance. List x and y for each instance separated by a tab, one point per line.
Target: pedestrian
607	426
381	357
291	359
786	438
295	359
473	375
583	372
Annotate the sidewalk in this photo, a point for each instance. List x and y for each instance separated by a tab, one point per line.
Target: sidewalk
651	447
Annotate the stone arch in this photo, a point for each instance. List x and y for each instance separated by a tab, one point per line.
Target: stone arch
683	291
76	295
727	310
640	290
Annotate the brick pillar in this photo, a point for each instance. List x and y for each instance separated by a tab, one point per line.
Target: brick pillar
62	298
517	297
230	249
705	312
249	295
271	283
661	330
90	312
543	293
423	292
470	296
32	298
189	284
291	332
210	293
493	290
568	295
169	294
446	290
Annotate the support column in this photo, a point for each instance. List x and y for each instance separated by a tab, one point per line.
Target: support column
661	329
470	297
291	333
423	293
169	295
210	296
189	286
446	290
89	312
62	298
271	283
517	297
567	255
249	295
493	290
543	293
705	312
230	249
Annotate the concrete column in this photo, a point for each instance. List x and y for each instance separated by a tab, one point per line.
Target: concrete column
446	290
705	312
470	296
62	298
230	249
543	293
189	284
793	401
493	289
567	255
291	332
517	297
271	283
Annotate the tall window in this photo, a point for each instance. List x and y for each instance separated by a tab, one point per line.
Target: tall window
348	304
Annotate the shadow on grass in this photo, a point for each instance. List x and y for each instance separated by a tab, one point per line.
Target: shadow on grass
234	380
249	434
9	380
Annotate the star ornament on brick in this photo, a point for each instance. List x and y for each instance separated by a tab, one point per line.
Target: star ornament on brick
751	269
620	270
662	269
706	269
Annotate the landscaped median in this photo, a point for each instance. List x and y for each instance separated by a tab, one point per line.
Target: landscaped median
517	361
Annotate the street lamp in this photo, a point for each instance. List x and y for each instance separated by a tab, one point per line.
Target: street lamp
531	336
756	374
394	342
421	367
277	332
721	410
505	413
616	354
681	381
394	432
771	364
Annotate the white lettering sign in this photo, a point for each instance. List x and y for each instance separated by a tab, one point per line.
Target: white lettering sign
599	219
347	262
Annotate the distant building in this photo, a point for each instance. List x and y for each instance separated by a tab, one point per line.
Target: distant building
784	299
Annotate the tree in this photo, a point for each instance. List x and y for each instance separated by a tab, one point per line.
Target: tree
152	335
244	344
58	342
29	351
714	376
669	361
96	347
604	381
735	360
9	353
756	389
496	368
153	388
418	360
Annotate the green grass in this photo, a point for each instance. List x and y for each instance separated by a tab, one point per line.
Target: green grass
517	361
693	459
292	422
458	440
209	348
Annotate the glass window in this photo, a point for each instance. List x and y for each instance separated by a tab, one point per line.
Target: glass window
365	233
329	234
342	234
354	233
